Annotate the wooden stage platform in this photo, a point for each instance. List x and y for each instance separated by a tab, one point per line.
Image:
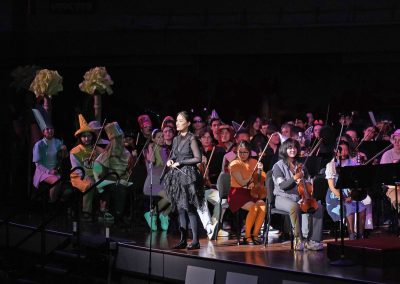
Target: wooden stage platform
275	263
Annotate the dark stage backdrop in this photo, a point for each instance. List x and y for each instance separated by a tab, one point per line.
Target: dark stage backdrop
271	58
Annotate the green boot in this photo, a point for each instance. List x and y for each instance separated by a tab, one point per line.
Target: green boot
152	223
164	220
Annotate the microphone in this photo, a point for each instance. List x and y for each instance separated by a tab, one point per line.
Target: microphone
340	149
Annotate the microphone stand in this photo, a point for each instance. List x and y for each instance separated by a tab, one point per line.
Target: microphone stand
342	261
151	207
138	158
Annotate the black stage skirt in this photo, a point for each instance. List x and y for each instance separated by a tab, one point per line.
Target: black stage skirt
184	188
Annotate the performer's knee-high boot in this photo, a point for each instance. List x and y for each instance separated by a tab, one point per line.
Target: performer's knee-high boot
183	229
193	222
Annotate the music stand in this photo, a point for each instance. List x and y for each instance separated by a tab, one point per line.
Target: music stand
390	174
357	177
313	164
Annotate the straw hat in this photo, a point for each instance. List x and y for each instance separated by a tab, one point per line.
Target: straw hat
83	126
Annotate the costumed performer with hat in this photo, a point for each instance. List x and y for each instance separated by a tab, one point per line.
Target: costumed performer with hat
47	154
117	159
83	155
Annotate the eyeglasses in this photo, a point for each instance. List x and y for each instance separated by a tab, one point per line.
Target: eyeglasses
197	121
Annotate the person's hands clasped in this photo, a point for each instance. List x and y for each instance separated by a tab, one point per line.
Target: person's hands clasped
172	164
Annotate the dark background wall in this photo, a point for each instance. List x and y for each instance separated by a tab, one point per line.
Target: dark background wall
269	57
275	58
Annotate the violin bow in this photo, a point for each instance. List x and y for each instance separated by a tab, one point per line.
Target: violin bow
97	139
209	161
327	114
240	127
379	153
259	158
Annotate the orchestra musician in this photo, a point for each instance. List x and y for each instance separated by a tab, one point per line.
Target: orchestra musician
211	168
286	180
392	156
254	126
47	154
215	123
83	155
115	158
333	195
156	155
241	171
241	135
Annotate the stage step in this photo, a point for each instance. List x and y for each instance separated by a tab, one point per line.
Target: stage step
70	254
53	268
375	252
26	281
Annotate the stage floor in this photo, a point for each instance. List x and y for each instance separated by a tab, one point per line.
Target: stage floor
276	255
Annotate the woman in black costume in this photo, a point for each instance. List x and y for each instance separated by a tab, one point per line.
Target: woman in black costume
183	182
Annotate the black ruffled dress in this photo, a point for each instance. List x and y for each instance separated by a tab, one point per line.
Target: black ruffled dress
185	186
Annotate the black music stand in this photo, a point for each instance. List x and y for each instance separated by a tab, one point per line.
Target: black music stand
354	177
390	174
313	164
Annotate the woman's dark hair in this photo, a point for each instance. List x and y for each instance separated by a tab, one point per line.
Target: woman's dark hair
245	144
285	145
204	131
215	119
185	115
198	115
251	121
272	128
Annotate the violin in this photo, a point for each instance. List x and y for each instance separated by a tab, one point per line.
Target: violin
204	173
308	204
259	191
203	167
88	162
